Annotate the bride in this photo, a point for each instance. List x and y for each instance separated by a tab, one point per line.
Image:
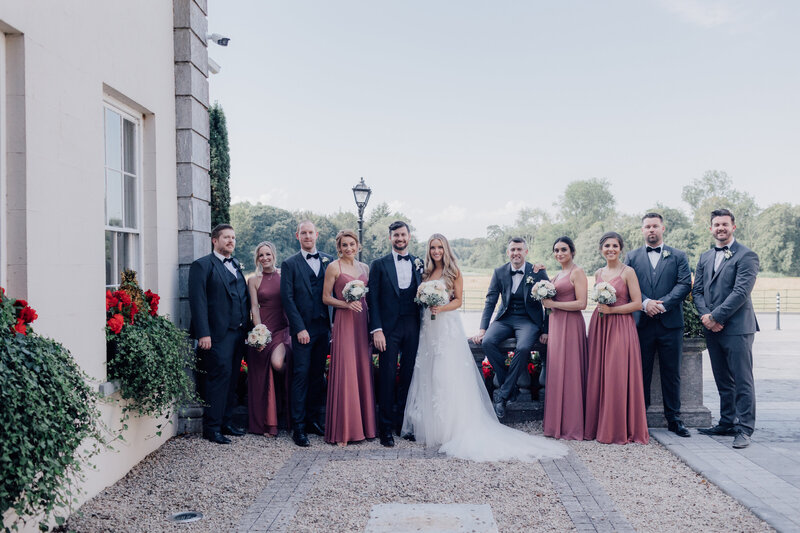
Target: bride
448	405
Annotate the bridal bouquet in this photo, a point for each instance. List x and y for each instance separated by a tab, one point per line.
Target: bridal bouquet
354	290
604	293
259	337
432	293
543	289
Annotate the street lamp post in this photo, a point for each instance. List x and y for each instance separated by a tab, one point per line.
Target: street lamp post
361	192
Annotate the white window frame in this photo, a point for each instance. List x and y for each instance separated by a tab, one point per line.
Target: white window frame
136	118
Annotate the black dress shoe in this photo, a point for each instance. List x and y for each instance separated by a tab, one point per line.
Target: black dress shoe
719	429
216	437
500	409
233	430
316	428
387	440
677	427
300	438
409	437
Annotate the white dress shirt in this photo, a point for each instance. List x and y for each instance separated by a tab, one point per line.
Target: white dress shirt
403	268
313	262
654	258
228	265
516	279
720	257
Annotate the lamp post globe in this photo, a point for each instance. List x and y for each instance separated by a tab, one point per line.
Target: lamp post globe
361	193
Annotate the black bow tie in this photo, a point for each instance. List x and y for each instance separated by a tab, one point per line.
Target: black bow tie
227	260
657	249
717	248
515	272
403	257
314	256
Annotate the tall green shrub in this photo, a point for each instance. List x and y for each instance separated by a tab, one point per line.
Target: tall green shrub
220	171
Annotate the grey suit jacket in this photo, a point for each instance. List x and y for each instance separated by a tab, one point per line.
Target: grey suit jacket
726	293
671	283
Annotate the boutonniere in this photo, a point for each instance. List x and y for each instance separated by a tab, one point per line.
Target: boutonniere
728	254
325	260
529	280
418	264
665	254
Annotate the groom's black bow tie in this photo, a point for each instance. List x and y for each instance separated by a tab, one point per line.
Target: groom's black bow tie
227	260
403	257
657	249
717	248
315	256
513	272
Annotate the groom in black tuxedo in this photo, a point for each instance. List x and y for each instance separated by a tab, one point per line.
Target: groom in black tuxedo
723	281
302	276
665	279
519	316
394	324
220	308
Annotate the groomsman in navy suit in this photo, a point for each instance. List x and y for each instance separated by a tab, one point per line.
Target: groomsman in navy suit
302	276
665	279
220	308
394	324
519	316
723	281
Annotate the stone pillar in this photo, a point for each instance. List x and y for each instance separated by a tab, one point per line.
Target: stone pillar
190	25
693	412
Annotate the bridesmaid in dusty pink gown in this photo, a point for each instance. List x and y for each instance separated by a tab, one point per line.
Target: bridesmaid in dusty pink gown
267	385
615	411
350	412
566	348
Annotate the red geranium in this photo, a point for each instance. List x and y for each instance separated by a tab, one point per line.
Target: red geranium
28	314
111	301
21	303
152	299
20	327
116	322
124	297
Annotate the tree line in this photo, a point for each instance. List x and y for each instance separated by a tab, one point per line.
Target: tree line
586	210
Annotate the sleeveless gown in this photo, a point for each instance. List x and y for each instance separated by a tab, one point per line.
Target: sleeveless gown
268	391
567	360
448	406
615	412
350	413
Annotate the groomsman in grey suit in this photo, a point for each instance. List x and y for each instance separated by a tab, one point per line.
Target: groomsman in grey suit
665	279
723	281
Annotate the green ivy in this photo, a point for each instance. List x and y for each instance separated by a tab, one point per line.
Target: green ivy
692	326
46	411
151	359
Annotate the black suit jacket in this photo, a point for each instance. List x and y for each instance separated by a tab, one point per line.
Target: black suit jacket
500	287
726	293
671	283
210	298
383	298
299	301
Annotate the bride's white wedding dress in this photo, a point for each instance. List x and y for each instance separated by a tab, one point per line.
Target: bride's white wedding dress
448	406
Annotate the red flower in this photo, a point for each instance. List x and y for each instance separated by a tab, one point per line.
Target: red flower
531	368
243	366
111	301
152	299
20	327
124	297
21	303
28	314
486	368
115	323
134	310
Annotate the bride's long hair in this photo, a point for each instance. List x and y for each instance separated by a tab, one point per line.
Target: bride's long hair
450	269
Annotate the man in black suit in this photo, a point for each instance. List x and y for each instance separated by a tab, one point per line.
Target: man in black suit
302	276
665	279
394	324
519	316
723	281
220	308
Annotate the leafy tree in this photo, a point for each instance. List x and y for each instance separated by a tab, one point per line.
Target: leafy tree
777	239
254	223
220	171
585	202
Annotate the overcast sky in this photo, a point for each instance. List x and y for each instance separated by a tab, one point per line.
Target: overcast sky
459	113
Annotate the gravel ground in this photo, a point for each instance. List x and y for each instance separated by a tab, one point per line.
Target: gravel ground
650	486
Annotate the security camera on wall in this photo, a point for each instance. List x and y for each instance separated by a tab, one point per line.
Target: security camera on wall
219	39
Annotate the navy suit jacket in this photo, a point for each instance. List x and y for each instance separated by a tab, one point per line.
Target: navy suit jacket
299	301
671	282
210	298
383	298
500	287
726	293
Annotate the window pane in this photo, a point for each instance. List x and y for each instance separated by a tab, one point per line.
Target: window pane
110	258
129	146
130	202
114	198
113	140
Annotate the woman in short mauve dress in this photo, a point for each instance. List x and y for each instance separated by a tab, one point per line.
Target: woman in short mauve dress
267	386
567	356
350	412
615	412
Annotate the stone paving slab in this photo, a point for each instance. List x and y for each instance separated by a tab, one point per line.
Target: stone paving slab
431	518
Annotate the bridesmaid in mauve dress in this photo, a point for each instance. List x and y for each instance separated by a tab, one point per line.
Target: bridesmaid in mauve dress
567	356
615	411
267	385
350	412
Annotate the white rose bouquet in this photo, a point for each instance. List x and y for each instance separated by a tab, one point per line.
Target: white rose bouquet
604	293
354	290
259	337
432	293
542	289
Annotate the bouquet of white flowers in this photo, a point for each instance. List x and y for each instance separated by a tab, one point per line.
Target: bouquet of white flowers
259	337
542	289
432	293
354	290
604	293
